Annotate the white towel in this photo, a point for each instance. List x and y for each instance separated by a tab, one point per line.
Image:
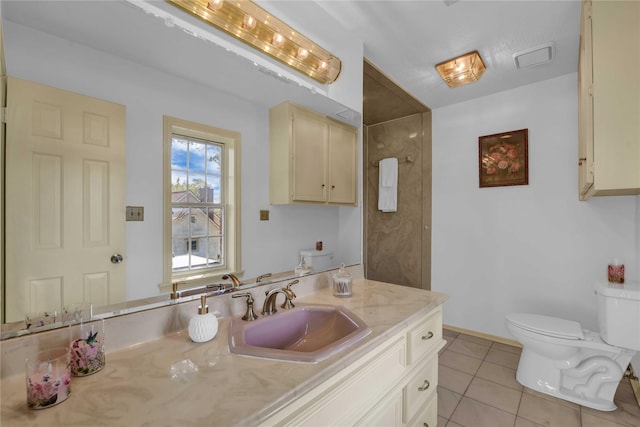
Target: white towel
388	185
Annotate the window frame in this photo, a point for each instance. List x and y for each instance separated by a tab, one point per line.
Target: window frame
230	178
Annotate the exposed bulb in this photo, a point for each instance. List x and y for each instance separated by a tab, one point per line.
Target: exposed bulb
248	22
215	4
302	53
278	40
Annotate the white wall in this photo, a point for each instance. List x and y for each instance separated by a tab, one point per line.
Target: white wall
148	95
524	248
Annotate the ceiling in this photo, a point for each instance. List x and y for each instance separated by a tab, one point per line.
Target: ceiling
403	41
406	39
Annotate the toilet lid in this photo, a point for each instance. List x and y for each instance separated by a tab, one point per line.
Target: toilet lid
547	325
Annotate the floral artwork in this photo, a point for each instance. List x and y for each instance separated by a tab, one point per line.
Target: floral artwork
87	354
46	389
504	159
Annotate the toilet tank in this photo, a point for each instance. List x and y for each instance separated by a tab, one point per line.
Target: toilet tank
318	260
619	313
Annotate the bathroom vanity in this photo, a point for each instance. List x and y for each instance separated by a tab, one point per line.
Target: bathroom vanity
387	378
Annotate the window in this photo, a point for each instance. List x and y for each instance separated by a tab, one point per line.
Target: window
201	170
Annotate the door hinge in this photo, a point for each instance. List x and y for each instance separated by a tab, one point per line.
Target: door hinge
3	114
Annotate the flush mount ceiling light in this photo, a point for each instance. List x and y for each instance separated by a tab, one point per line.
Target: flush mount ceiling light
253	25
464	69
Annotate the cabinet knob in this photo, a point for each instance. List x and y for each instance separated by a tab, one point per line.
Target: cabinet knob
580	160
425	424
425	386
322	186
428	336
333	186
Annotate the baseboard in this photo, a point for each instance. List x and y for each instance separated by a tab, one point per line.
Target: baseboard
495	338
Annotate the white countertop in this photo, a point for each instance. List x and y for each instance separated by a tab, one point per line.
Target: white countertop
175	382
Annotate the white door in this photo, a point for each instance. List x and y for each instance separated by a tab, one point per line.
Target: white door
65	193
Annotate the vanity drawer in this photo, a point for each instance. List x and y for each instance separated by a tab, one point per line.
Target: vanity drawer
421	387
428	417
425	336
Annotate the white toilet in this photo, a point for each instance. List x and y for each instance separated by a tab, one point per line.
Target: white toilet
562	359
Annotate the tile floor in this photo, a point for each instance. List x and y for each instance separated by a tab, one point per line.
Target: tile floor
478	388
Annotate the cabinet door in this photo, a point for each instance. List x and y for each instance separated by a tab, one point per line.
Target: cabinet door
386	413
585	103
309	152
429	415
343	168
616	96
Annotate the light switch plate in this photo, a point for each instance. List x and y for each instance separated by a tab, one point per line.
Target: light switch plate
135	213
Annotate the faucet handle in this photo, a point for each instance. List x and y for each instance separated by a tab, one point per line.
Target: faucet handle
288	300
262	276
249	315
290	284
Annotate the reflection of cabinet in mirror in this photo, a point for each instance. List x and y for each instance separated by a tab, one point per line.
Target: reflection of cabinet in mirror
313	159
609	103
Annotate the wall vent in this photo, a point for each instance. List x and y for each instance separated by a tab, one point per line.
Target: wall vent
534	56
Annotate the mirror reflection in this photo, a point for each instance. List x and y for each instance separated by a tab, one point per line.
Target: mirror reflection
117	53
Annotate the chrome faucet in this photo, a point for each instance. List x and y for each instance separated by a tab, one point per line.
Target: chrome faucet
233	278
269	306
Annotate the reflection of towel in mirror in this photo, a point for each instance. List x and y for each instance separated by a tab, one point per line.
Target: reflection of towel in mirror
388	185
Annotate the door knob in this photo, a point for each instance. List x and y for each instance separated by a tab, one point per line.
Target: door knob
116	258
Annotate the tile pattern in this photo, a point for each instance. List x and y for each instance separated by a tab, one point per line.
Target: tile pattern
397	242
478	387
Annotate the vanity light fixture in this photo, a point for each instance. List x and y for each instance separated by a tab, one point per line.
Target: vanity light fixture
462	70
253	25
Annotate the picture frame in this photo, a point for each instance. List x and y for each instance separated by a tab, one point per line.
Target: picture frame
504	159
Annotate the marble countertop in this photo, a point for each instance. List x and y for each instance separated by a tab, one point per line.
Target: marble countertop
173	381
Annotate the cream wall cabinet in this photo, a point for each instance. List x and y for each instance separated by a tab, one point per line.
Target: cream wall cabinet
609	99
393	385
312	158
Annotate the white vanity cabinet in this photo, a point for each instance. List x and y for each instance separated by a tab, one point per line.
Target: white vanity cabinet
609	99
312	158
395	384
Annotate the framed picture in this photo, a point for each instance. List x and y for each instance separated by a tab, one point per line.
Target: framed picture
504	159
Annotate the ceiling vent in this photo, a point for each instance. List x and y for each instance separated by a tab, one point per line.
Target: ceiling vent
535	56
348	115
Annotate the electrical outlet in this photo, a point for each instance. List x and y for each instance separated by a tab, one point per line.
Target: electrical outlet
135	213
264	215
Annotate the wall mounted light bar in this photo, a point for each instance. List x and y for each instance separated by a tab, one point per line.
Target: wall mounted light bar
251	24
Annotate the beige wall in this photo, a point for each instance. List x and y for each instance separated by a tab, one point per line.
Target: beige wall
398	244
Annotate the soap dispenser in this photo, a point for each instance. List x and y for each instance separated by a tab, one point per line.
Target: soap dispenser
204	325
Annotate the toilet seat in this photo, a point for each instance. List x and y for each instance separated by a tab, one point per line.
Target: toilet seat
547	325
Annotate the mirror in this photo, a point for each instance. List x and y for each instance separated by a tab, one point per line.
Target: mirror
120	53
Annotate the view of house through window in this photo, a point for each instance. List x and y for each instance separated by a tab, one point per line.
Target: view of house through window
197	209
